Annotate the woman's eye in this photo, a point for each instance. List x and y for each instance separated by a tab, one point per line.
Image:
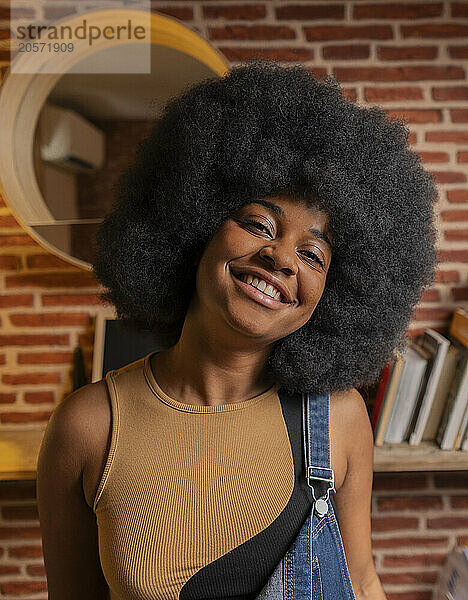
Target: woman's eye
315	257
257	225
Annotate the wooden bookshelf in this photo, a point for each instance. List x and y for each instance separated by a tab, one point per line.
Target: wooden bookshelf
19	451
426	456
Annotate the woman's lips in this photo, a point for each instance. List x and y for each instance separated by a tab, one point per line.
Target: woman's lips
258	296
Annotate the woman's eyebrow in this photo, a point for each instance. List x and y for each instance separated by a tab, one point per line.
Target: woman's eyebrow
279	211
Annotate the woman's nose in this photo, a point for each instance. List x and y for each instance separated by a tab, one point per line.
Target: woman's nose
279	258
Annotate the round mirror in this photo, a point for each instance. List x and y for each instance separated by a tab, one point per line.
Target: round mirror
65	138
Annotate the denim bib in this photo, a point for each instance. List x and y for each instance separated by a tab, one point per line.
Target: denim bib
314	567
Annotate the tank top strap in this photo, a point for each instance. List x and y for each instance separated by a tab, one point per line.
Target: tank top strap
317	448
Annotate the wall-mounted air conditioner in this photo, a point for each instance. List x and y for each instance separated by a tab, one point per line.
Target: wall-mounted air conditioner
69	140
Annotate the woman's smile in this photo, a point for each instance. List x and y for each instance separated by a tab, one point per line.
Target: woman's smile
256	294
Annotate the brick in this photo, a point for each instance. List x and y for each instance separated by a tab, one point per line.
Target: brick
278	53
416	73
317	72
235	11
22	490
39	397
447	276
439	30
401	481
420	10
17	13
415	502
409	541
434	157
7	221
456	137
461	294
409	577
451	480
23	587
44	358
450	93
20	512
70	300
47	261
302	12
447	522
414	560
56	12
30	378
9	570
458	51
394	523
392	94
9	262
456	196
7	398
462	157
459	115
20	239
45	280
431	296
456	235
252	32
415	115
49	319
346	52
37	339
453	255
448	176
434	314
350	94
28	551
454	215
407	53
183	13
348	32
459	9
13	300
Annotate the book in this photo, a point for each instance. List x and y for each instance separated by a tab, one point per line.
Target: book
416	360
380	396
441	394
456	405
389	399
437	345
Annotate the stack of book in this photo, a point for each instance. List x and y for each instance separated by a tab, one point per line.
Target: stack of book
423	393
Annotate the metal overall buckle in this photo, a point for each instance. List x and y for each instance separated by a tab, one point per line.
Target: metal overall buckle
321	504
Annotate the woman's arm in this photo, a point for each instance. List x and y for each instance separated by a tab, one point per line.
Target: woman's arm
353	499
68	525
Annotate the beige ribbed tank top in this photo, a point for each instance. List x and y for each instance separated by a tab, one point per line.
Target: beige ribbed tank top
184	485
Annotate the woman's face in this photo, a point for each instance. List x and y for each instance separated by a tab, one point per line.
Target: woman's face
279	240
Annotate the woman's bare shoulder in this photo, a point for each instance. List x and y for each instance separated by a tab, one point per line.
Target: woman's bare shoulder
89	411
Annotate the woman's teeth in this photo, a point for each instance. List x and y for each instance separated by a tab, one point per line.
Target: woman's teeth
263	286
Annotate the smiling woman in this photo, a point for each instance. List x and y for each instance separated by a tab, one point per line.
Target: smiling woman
280	236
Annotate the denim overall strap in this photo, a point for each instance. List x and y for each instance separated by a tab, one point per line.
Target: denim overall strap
297	567
317	449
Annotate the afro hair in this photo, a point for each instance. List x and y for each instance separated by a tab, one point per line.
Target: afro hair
261	130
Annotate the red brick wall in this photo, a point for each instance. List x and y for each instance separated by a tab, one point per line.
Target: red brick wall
411	58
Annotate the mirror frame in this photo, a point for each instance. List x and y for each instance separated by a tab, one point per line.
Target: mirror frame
23	95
